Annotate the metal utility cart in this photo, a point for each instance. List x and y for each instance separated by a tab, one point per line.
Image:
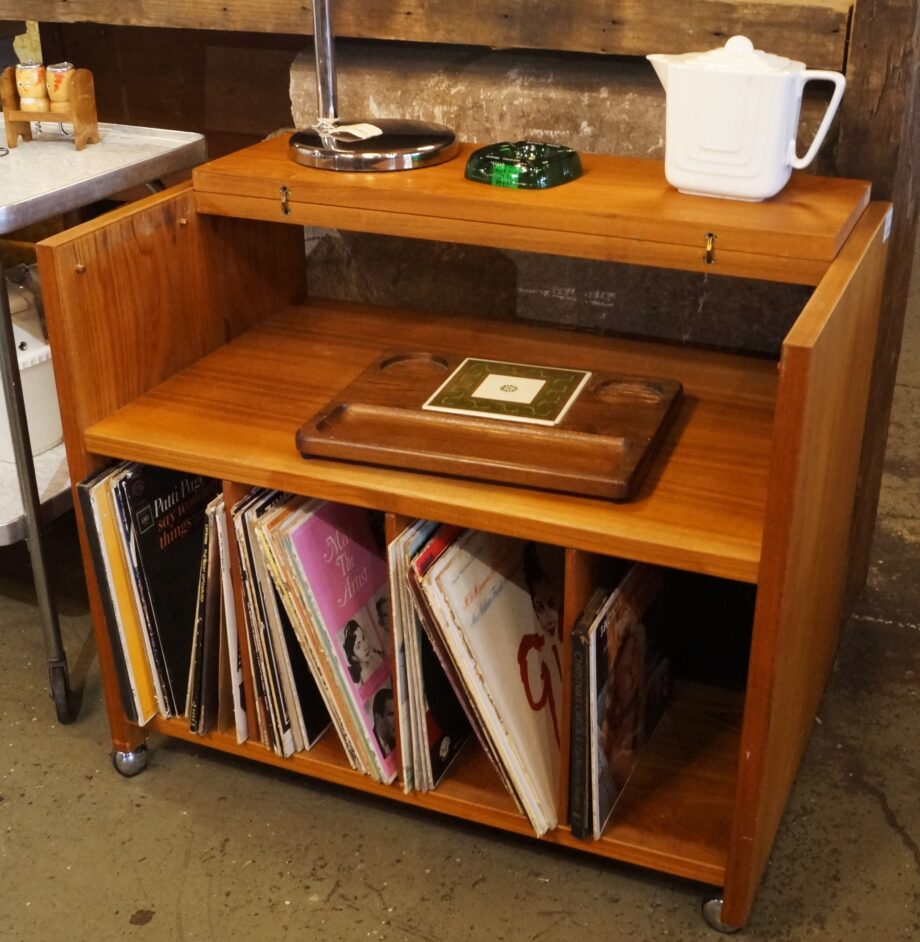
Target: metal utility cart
39	179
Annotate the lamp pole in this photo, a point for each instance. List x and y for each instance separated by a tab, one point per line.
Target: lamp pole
327	94
373	144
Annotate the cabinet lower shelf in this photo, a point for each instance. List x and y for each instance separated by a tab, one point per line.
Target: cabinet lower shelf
675	815
234	414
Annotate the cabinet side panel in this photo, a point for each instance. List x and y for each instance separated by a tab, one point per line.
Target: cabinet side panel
821	405
252	269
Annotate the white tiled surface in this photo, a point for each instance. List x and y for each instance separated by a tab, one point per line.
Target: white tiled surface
47	175
52	480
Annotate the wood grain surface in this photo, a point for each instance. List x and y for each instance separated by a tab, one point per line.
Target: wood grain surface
152	287
821	407
134	296
621	209
675	814
700	507
879	138
15	125
814	31
601	448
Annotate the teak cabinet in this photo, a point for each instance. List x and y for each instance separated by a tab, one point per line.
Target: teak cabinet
184	336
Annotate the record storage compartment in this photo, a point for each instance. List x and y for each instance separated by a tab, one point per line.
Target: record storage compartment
184	337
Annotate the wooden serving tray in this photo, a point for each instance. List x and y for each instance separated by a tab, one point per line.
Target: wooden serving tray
602	447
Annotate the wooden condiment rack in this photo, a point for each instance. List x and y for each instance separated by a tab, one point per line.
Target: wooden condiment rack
82	113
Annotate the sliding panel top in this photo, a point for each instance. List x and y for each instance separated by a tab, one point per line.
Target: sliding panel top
621	209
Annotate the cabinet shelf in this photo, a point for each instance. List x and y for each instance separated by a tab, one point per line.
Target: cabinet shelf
621	209
675	814
234	414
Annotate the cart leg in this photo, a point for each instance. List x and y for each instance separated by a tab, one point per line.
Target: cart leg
25	470
129	764
712	913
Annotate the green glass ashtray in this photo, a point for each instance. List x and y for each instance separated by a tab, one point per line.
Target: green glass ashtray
525	165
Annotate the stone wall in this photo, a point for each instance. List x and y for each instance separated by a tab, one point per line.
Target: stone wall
595	104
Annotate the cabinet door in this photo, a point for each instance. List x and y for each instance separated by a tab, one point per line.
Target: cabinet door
820	413
136	295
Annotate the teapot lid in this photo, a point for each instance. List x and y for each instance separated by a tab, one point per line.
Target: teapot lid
739	55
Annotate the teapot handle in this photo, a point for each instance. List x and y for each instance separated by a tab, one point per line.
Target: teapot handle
808	75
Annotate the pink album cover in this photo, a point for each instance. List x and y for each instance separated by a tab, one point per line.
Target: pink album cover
344	563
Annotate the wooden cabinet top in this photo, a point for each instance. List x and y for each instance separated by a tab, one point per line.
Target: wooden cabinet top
621	209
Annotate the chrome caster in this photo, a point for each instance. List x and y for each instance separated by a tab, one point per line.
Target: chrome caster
712	913
129	764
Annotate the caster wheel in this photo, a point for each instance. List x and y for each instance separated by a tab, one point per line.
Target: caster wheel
712	913
60	694
129	764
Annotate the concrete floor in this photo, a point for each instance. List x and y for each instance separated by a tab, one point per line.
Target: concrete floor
202	846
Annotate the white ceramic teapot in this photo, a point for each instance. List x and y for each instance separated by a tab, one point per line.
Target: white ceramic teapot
732	118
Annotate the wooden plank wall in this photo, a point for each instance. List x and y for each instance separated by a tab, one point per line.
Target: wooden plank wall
879	140
813	31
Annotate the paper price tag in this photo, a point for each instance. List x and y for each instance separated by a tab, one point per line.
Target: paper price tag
358	132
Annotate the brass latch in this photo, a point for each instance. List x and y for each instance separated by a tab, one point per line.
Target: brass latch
285	206
710	248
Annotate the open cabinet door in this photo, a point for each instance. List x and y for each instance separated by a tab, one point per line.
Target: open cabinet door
139	293
133	297
820	411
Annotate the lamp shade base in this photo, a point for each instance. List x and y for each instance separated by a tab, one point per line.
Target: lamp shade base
375	145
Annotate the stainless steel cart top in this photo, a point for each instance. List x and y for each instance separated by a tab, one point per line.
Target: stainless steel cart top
47	175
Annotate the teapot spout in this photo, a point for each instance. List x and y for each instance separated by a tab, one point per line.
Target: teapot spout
661	63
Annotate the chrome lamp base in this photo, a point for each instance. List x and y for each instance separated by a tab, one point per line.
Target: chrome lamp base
378	144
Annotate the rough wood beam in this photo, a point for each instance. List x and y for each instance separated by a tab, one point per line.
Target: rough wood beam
812	31
879	141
